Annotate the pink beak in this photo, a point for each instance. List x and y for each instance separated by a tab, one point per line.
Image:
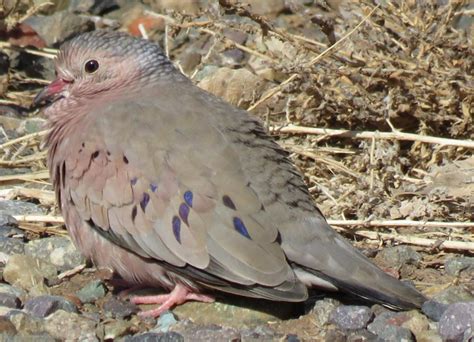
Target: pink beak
51	92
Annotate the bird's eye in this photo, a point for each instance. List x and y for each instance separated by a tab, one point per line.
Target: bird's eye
91	66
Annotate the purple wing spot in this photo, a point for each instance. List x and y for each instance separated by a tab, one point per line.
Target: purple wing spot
144	201
240	227
184	212
133	181
176	222
188	198
153	187
228	202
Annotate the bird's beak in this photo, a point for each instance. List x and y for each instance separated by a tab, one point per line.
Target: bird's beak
51	92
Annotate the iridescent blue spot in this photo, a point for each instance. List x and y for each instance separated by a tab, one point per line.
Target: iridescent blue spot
176	222
240	227
188	198
153	187
228	202
133	181
184	212
144	201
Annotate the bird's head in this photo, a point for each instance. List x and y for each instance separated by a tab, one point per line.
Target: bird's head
101	62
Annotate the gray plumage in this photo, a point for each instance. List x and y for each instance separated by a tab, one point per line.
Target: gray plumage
168	184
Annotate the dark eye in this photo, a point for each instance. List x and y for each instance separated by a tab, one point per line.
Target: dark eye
91	66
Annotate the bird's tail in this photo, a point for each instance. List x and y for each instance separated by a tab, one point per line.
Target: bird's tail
326	257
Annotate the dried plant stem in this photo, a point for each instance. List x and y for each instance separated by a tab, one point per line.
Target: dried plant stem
23	138
401	223
412	240
39	218
395	135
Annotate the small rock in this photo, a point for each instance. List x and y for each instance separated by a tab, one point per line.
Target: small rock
57	250
351	317
292	338
120	309
387	326
43	306
264	333
31	125
92	291
416	323
335	335
156	337
433	309
6	327
9	207
28	273
454	294
322	310
60	26
456	320
211	332
116	329
9	300
454	266
428	336
362	336
14	291
69	326
11	246
398	256
8	226
165	322
236	86
26	323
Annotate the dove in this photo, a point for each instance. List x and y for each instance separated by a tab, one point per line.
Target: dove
172	187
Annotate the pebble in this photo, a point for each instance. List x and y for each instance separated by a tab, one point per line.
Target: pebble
69	326
29	273
457	265
156	337
433	309
6	327
10	207
57	250
322	309
165	322
26	323
386	326
119	309
398	256
44	306
115	329
11	246
351	317
92	291
10	301
14	291
362	336
456	321
8	226
454	294
209	332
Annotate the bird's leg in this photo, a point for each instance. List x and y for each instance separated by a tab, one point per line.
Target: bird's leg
179	295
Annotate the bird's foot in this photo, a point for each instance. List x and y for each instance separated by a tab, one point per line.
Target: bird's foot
179	295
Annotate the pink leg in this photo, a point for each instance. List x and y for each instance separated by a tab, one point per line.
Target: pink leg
179	295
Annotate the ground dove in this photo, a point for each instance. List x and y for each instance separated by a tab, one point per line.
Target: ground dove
173	187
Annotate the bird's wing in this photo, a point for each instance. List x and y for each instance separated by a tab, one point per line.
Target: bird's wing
162	182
